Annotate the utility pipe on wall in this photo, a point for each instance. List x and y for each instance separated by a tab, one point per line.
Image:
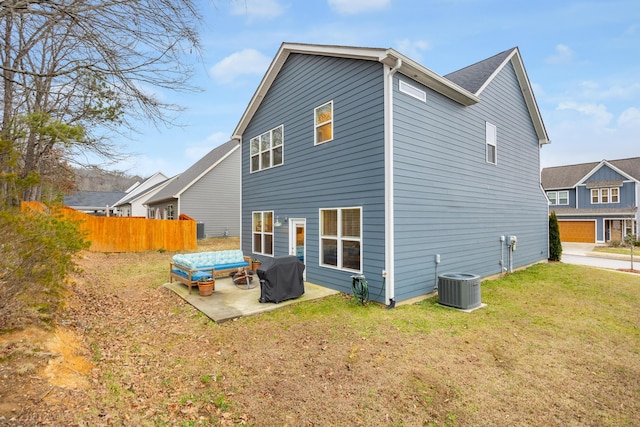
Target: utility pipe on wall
388	172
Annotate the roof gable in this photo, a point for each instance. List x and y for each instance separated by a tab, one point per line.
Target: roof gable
476	77
389	57
462	86
190	176
570	176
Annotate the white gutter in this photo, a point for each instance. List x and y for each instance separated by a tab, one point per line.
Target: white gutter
389	221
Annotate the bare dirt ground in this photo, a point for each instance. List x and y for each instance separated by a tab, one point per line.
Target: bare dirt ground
127	351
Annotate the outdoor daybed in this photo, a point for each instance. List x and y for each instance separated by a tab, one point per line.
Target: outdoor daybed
189	268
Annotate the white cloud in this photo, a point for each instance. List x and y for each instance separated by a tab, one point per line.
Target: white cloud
246	62
597	113
630	118
352	7
563	55
413	48
582	133
257	9
196	151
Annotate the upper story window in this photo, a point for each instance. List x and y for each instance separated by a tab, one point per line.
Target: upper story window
341	238
323	117
558	197
605	195
491	138
266	150
413	91
262	229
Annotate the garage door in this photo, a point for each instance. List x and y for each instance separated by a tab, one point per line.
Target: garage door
577	231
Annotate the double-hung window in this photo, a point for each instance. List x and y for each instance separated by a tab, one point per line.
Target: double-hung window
558	197
323	117
615	195
262	229
266	150
491	138
605	195
341	238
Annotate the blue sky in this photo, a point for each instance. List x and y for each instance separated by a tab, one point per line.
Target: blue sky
582	58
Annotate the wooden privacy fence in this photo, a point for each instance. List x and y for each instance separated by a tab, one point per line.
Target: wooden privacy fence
128	234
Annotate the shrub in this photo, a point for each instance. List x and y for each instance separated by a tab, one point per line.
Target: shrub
36	257
555	246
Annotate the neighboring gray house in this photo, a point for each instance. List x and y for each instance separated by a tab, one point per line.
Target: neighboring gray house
362	161
595	202
133	202
99	203
209	192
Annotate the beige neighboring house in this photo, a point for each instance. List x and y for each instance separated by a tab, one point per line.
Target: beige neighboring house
208	192
133	202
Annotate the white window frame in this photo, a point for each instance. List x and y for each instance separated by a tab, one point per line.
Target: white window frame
597	195
340	239
317	124
617	195
558	197
259	229
491	139
170	211
412	91
258	151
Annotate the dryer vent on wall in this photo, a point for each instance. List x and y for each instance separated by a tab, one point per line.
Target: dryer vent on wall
459	290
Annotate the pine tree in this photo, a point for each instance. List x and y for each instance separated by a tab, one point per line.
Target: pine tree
555	246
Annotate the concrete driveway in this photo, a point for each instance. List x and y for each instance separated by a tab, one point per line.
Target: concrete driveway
582	254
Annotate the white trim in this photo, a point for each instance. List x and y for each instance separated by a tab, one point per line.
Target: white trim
599	166
558	197
315	124
527	92
389	217
271	147
292	239
206	171
389	57
493	142
339	239
262	233
412	91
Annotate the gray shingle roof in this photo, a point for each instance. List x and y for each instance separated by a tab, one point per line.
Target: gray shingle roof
568	176
92	199
560	211
194	172
474	76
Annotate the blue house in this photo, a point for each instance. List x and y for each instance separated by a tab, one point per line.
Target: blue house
595	202
363	161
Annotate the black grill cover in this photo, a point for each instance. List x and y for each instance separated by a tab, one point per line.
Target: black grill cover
281	279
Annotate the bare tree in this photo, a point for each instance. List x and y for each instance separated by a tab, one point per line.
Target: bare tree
75	71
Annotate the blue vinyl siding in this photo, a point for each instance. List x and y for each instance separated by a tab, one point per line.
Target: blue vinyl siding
450	201
345	172
626	192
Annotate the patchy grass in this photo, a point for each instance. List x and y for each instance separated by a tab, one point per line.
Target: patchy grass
557	345
619	250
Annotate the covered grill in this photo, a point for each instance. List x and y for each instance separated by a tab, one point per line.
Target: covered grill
281	279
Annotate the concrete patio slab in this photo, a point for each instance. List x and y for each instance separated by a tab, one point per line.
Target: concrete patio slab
230	301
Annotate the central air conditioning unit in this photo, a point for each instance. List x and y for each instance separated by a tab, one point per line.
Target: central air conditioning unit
459	290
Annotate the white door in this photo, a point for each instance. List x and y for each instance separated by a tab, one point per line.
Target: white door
297	240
